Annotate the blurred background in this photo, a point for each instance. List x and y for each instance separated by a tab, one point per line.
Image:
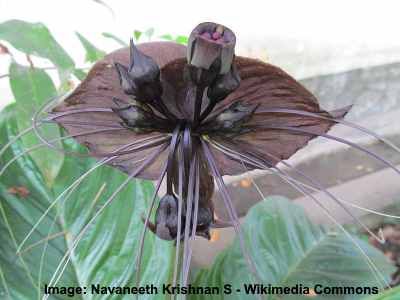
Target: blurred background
305	38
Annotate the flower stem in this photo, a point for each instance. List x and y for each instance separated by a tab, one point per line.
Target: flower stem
161	107
208	110
197	105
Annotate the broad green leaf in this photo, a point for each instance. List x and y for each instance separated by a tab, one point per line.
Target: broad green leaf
137	34
31	88
108	252
115	38
36	39
392	294
106	255
22	275
93	54
287	249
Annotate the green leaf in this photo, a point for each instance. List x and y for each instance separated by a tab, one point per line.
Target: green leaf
287	249
115	38
181	39
113	242
106	255
31	88
137	34
36	39
93	54
80	74
20	274
167	37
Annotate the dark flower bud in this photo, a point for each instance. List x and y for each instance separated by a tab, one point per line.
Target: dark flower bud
127	83
166	225
204	216
142	68
204	220
205	233
224	85
231	119
210	43
141	78
137	117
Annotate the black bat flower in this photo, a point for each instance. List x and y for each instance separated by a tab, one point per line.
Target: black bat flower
193	114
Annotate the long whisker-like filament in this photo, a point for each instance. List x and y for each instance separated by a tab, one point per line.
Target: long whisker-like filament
223	149
48	235
35	124
3	281
371	264
336	200
138	260
189	205
42	241
231	210
194	225
163	137
313	182
14	139
181	174
38	146
56	115
315	189
70	189
54	280
14	241
284	176
336	120
139	146
89	124
251	160
340	140
252	180
172	149
41	264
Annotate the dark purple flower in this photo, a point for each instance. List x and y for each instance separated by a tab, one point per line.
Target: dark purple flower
192	114
145	91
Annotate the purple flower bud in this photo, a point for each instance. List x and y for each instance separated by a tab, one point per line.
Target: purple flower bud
137	117
232	118
142	68
127	83
209	44
167	218
142	78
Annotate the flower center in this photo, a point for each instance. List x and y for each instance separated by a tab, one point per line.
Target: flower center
210	76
